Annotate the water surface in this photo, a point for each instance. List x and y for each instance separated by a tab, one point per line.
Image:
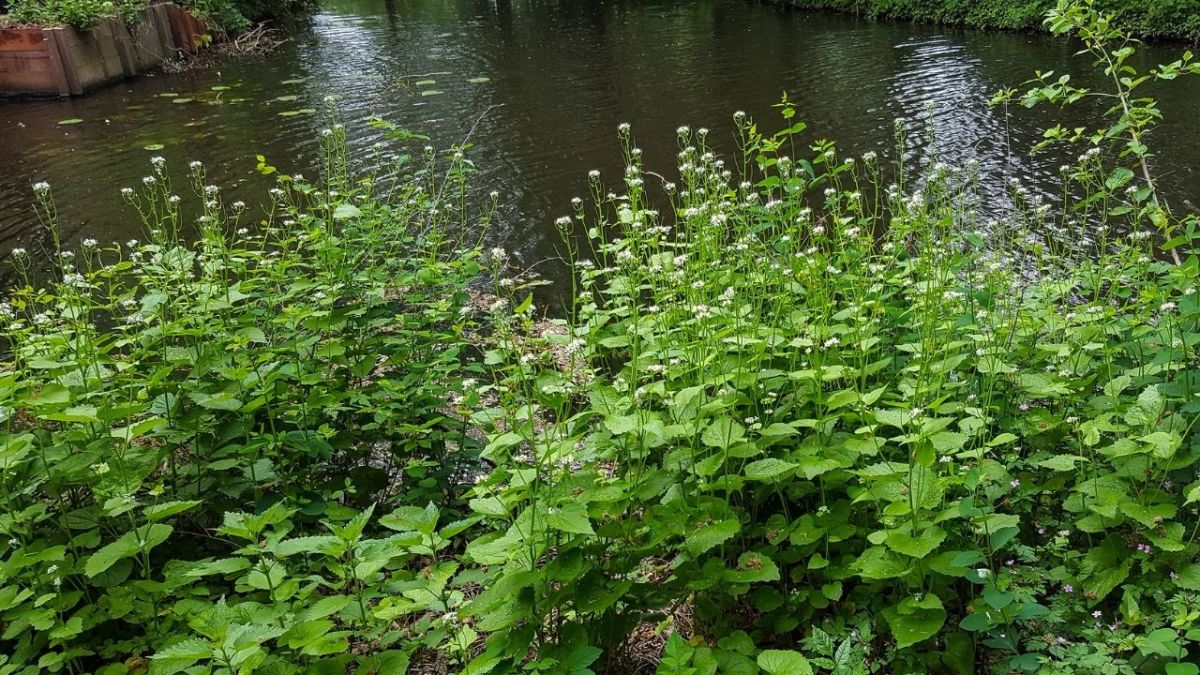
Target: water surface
560	77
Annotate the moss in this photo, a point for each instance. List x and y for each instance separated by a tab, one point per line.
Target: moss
1178	19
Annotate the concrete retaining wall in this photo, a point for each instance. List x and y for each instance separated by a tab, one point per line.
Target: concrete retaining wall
68	62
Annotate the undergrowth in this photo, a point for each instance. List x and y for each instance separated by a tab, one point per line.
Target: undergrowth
805	413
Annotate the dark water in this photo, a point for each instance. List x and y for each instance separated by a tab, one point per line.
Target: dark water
562	75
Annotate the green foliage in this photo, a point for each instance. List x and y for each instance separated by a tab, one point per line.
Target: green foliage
81	14
235	16
225	452
799	418
232	16
1148	18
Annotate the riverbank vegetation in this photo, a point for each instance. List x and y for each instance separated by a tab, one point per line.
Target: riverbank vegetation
1146	18
800	413
230	16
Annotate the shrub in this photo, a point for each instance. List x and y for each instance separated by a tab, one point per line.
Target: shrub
81	14
235	16
812	414
195	434
1149	18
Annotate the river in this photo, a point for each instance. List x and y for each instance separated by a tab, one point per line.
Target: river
545	84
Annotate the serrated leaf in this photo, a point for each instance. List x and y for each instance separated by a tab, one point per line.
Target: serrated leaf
783	662
192	649
126	546
722	433
768	469
570	518
1061	462
711	535
167	509
917	622
346	211
918	546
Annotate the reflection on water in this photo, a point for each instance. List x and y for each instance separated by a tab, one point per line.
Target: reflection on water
560	77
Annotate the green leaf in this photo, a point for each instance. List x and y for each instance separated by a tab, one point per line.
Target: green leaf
192	649
919	546
722	433
570	518
768	469
79	413
948	442
1061	462
753	567
316	544
346	211
1119	176
711	535
1151	515
878	562
914	621
167	509
783	662
128	545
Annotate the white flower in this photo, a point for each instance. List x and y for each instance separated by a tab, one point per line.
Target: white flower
127	192
19	252
149	180
158	162
195	165
983	572
623	128
89	243
832	342
41	187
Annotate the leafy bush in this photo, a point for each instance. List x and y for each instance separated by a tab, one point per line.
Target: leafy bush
81	14
232	16
1150	18
235	16
801	418
195	432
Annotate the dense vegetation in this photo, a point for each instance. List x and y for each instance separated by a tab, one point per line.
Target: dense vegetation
795	418
227	15
1148	18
